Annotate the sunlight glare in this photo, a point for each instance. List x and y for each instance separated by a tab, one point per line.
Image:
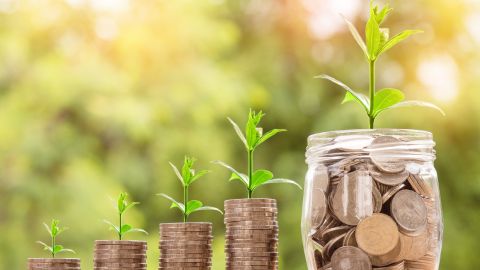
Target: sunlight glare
440	75
325	19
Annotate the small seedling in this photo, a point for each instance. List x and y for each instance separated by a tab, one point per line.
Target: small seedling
122	206
378	42
54	230
252	139
187	176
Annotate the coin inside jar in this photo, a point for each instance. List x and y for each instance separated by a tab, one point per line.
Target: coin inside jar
353	200
377	235
409	211
348	258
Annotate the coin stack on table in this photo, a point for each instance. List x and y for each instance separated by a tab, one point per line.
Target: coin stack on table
372	208
252	234
120	255
53	264
186	246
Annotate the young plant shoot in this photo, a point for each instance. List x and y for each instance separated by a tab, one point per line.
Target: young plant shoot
122	206
54	230
187	176
252	139
377	42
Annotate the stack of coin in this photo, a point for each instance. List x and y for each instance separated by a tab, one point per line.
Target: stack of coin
252	234
186	246
371	201
53	264
120	254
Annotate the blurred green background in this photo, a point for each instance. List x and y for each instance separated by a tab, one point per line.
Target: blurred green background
96	96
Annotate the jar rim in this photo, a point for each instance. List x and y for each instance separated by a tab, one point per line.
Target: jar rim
411	133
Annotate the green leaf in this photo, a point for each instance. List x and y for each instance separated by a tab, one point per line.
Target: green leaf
259	177
112	226
208	208
372	33
192	206
48	228
138	230
384	36
187	171
179	176
125	229
54	227
357	36
282	181
397	39
130	205
175	204
242	177
57	249
198	175
268	135
45	246
360	98
66	250
239	132
386	98
382	15
417	103
121	202
253	134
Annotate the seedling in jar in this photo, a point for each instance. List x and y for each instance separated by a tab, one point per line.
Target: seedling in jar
122	228
252	139
186	177
54	230
378	42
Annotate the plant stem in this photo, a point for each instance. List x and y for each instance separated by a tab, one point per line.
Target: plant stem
53	246
185	202
372	93
250	172
120	227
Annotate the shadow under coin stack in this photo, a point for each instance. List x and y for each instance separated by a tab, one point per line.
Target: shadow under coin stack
252	234
120	255
53	264
186	246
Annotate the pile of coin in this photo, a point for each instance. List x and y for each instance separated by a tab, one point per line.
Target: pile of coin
120	254
186	246
53	264
374	206
252	234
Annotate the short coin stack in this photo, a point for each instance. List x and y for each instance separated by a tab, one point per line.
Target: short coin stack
252	234
120	255
53	264
186	246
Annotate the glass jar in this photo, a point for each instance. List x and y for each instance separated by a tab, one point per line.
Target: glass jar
372	200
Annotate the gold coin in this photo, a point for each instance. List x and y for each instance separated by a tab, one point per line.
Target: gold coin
377	235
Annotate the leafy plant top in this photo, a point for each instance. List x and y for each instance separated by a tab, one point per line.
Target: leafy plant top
122	205
187	176
54	230
378	41
253	138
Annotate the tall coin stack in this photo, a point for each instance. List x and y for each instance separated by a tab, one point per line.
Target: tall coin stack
120	255
186	246
252	234
53	264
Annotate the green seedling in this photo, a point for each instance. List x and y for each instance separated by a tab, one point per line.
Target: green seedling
122	206
378	42
252	139
54	230
187	176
